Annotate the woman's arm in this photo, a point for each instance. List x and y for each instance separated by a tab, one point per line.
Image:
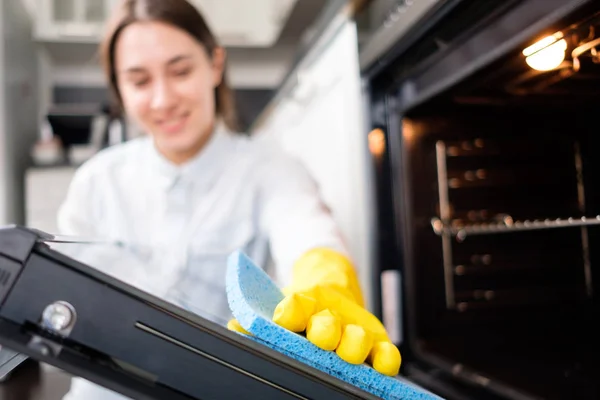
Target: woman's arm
322	294
293	214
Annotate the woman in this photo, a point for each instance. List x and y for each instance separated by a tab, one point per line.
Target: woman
193	190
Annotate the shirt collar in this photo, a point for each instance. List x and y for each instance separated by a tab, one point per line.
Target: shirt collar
200	171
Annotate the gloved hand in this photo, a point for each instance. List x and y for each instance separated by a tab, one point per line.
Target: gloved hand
324	301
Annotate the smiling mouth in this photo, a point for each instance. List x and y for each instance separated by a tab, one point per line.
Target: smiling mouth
173	125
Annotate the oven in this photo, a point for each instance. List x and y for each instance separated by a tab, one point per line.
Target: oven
488	193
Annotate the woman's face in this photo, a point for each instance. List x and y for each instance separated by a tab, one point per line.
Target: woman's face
167	83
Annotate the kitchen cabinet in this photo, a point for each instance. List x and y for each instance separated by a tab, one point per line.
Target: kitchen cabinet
71	20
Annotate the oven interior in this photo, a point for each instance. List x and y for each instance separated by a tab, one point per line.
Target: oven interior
502	215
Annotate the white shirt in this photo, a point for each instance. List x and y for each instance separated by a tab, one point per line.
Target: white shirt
184	221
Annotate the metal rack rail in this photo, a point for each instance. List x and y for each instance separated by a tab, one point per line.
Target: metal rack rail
450	228
507	225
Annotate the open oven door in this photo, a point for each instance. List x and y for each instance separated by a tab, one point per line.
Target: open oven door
61	311
84	306
493	302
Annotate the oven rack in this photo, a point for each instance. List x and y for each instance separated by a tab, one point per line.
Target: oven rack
507	225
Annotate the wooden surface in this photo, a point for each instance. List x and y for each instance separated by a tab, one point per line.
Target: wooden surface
34	381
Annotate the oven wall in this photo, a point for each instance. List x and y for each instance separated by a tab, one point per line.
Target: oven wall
507	307
525	168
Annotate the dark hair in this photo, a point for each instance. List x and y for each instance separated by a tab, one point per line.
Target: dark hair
181	14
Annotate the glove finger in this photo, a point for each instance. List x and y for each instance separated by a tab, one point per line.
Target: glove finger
385	358
355	344
350	312
234	325
324	330
294	311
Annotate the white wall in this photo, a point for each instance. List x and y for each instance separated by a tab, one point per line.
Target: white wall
18	107
321	122
30	6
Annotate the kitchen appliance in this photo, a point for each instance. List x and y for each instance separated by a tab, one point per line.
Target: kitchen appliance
9	361
488	183
61	311
82	130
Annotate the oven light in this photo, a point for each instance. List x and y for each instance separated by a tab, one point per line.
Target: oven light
377	142
547	53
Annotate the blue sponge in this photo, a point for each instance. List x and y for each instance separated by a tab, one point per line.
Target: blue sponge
253	296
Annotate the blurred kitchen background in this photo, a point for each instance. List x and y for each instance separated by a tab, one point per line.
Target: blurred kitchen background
294	66
424	122
53	87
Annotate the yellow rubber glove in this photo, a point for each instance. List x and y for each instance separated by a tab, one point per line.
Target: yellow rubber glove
324	301
234	325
